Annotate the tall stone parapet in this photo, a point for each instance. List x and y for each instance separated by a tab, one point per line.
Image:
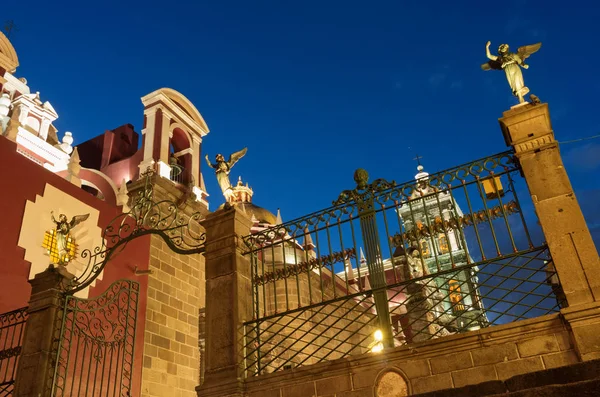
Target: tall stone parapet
528	129
175	293
228	303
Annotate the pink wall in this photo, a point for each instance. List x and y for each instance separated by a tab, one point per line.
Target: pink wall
21	180
125	169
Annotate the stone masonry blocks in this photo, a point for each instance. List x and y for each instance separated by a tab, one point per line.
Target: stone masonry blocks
431	383
299	390
171	357
333	385
495	354
473	376
538	346
451	362
518	367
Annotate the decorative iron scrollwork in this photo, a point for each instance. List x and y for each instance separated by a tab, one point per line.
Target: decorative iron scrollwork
363	190
304	267
182	233
97	341
439	225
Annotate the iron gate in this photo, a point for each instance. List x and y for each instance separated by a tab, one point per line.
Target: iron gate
12	325
96	343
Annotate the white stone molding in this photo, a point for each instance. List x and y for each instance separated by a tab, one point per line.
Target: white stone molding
164	169
56	159
123	196
181	108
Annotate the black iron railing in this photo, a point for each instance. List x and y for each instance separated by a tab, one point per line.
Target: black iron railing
177	173
96	345
445	253
12	328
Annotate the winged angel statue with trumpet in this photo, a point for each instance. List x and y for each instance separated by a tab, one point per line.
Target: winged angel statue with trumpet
511	63
222	168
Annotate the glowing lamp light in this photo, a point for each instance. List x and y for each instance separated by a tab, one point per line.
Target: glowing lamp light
377	345
378	348
378	335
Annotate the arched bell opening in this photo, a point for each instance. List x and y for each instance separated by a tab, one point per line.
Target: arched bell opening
180	157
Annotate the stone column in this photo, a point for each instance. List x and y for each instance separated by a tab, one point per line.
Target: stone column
40	341
148	132
528	130
228	301
196	160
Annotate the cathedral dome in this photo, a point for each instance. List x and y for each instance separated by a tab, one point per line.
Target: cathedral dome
261	214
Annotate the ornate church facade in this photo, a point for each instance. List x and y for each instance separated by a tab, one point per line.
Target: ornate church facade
263	307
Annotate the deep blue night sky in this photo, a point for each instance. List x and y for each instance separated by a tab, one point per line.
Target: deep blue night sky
318	89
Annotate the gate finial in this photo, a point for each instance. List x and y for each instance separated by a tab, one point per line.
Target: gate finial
361	177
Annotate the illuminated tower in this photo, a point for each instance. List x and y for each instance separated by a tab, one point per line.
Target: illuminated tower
459	307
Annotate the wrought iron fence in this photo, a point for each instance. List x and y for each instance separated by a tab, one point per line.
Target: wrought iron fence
96	343
445	253
12	326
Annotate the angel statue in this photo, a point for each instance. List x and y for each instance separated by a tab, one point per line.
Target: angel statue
63	228
510	62
222	169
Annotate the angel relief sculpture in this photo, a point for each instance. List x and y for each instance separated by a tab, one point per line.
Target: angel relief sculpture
511	63
222	169
59	242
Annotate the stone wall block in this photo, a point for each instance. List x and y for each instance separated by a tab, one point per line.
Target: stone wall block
560	359
365	376
518	367
367	392
587	338
431	383
538	346
414	368
333	385
473	376
495	354
299	390
564	340
451	362
266	393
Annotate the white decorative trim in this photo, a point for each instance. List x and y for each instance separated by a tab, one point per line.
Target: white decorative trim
200	195
189	136
164	170
162	95
144	165
183	152
29	156
57	158
15	84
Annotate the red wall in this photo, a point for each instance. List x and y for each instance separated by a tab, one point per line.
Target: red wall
21	180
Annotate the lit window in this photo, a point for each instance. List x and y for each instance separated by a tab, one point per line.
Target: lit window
443	243
455	296
425	252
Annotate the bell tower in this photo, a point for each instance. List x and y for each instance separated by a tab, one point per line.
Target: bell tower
172	137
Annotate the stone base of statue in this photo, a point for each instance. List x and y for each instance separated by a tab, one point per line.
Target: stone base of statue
518	105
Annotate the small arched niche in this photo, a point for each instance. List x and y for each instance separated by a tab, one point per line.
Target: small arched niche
180	148
391	382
